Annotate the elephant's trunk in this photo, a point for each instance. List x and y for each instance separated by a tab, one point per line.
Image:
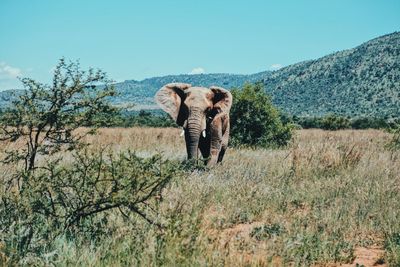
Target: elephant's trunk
193	132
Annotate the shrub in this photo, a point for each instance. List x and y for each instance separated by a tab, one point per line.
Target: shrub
45	116
369	123
254	119
333	123
74	200
143	118
147	119
308	122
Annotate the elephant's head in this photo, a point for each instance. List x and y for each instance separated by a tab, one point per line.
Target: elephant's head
192	107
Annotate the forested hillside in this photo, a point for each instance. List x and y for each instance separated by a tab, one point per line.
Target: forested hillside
361	81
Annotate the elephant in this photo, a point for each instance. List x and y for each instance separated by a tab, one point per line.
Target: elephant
204	115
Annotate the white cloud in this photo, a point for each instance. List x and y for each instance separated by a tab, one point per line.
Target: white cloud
197	70
8	72
275	66
8	76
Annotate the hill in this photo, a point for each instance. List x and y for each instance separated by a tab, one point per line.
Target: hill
363	81
137	95
141	93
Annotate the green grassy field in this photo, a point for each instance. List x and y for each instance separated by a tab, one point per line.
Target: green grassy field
330	198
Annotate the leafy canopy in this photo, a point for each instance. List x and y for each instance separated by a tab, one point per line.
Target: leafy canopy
254	119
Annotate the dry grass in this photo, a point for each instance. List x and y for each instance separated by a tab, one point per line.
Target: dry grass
338	189
145	141
319	201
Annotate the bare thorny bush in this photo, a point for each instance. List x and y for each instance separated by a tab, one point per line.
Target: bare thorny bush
45	117
73	198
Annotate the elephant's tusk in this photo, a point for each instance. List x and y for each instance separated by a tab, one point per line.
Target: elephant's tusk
204	133
182	133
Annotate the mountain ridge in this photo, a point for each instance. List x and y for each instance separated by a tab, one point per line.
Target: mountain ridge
360	81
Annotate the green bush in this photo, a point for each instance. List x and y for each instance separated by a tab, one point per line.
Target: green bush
124	118
254	119
369	123
333	123
147	119
308	122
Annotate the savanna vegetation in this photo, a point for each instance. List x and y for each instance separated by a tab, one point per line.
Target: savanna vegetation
316	201
76	194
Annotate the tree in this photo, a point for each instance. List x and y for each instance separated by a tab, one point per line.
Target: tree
254	119
73	197
45	117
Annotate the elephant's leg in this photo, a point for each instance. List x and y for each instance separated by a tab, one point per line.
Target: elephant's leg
204	146
216	141
221	153
225	138
214	157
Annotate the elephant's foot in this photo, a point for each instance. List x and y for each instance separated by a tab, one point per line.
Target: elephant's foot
213	159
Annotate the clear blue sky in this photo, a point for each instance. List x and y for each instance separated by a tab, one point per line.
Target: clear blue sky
139	39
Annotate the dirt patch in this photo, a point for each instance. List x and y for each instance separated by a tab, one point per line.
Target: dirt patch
241	249
239	231
372	256
235	242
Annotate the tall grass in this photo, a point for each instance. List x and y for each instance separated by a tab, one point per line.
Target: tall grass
313	202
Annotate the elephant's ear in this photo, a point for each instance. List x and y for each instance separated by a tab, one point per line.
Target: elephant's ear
170	97
222	99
